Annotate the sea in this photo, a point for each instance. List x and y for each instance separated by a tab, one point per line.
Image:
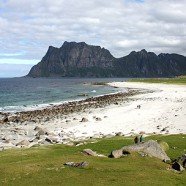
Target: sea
23	94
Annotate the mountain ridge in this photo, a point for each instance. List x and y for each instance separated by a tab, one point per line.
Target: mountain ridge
74	59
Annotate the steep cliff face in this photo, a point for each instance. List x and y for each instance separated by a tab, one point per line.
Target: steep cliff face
74	59
82	60
148	64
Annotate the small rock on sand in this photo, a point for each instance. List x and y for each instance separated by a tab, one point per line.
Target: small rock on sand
119	134
84	120
98	119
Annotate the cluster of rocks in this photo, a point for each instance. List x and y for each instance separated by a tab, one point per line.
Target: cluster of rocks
150	148
34	135
17	129
153	149
54	111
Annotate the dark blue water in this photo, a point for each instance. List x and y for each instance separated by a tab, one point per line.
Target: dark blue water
17	94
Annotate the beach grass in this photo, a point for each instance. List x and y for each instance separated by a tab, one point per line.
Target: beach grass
44	165
176	80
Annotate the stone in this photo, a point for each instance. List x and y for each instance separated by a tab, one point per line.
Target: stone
79	144
182	160
23	143
116	153
53	139
41	132
70	144
98	119
177	166
73	164
34	139
5	120
89	152
151	147
119	134
50	134
84	120
164	129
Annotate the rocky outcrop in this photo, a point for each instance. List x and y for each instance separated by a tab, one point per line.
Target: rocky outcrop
151	147
82	60
148	64
52	112
74	59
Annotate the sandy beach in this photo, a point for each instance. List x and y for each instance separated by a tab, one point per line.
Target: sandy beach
160	109
161	112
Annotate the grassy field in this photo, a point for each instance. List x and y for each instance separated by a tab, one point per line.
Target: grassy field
177	80
44	165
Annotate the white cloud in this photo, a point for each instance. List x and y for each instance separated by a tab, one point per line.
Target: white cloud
29	27
18	61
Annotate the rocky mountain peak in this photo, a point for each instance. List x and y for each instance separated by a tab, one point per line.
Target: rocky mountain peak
78	59
143	51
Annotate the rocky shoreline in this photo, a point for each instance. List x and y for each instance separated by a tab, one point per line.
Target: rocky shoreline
48	113
28	128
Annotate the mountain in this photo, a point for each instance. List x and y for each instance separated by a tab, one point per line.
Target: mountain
82	60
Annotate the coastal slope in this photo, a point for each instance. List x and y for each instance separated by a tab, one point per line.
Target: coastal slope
74	59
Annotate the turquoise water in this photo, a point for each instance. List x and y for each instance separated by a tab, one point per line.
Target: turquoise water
18	94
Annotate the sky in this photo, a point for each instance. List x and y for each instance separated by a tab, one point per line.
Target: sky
28	27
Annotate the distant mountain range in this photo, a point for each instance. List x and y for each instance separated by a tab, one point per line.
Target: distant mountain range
82	60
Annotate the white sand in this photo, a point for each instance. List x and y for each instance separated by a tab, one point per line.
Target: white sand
163	109
161	112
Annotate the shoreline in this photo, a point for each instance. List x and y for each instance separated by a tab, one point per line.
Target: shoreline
66	107
162	111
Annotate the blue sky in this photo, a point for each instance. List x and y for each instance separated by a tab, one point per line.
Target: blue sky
28	27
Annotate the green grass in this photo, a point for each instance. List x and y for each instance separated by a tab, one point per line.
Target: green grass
44	165
177	80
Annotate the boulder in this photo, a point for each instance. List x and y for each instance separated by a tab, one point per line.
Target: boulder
37	128
90	152
41	132
116	153
53	139
119	134
151	147
23	143
181	160
5	120
70	144
177	166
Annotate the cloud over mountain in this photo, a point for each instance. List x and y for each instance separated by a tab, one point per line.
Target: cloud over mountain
29	27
